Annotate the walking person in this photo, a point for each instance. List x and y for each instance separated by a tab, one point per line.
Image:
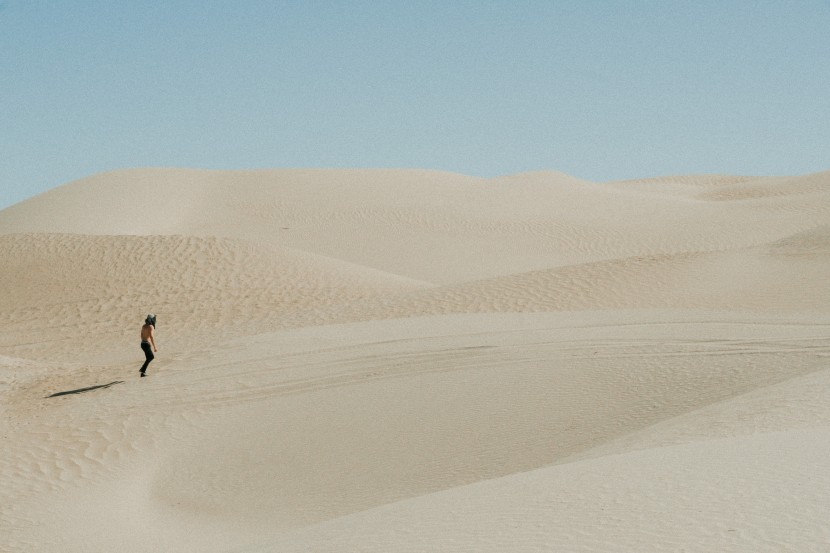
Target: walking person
148	339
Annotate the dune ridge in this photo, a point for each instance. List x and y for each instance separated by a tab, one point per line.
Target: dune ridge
407	360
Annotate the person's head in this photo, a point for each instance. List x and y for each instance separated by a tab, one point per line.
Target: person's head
150	320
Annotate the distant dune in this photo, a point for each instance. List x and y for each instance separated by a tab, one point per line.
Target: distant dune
406	360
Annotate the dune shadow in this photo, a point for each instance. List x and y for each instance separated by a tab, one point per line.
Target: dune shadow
87	389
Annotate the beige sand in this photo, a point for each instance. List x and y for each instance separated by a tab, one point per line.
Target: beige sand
380	360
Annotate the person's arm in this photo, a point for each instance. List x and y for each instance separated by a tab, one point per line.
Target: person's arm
153	338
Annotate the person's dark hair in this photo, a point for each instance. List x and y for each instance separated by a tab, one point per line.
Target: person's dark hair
150	320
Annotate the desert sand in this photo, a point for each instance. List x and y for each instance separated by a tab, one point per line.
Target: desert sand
407	360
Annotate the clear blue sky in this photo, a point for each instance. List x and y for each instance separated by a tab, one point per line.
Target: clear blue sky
601	90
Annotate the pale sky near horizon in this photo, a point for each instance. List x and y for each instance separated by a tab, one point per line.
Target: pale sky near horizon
600	90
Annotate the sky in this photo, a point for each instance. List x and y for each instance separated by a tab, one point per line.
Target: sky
602	90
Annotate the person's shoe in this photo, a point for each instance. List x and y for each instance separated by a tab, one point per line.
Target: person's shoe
143	375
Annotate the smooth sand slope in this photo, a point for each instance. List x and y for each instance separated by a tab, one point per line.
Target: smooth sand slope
379	360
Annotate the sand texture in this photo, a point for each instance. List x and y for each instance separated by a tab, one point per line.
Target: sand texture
406	360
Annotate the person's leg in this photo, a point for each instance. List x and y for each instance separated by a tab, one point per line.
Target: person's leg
148	354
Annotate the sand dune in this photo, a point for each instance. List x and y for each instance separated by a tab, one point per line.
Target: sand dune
390	360
784	276
430	226
86	290
709	469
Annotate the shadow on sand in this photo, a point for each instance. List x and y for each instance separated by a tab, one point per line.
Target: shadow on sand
82	390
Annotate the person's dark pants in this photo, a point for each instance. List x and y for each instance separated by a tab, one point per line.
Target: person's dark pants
148	353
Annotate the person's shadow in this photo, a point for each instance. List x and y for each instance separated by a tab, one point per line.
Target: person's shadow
82	390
